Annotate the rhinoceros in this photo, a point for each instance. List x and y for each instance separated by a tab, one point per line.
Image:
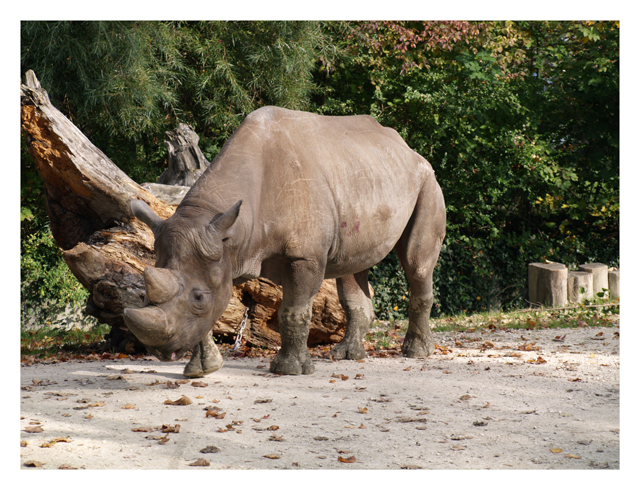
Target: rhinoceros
296	198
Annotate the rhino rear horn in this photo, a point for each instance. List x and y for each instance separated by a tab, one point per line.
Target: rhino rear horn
144	213
222	223
162	284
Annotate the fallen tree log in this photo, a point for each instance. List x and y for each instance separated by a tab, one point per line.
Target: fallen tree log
107	248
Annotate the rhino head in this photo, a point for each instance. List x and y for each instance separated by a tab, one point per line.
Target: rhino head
191	284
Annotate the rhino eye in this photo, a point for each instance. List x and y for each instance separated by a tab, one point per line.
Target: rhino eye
199	298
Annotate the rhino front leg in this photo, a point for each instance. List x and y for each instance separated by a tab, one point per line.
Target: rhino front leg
355	299
299	288
293	357
205	358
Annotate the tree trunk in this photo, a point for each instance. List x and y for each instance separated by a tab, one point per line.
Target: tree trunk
600	278
107	248
548	284
577	281
186	161
614	284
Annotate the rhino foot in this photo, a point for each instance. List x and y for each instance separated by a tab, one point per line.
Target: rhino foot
291	364
348	350
417	346
205	359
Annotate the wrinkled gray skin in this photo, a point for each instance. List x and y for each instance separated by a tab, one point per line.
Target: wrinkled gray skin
296	198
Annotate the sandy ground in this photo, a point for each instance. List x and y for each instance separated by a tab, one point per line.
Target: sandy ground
539	399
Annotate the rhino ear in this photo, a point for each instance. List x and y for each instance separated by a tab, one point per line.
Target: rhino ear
224	222
144	213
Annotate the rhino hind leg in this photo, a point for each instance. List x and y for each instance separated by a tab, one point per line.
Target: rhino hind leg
205	358
355	299
418	251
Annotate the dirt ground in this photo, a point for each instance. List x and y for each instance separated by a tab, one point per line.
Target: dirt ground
537	399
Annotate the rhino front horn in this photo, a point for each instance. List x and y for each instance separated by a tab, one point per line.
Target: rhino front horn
162	285
148	324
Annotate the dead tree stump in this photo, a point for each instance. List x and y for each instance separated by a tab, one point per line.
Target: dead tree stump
107	248
600	277
186	160
547	284
579	286
614	284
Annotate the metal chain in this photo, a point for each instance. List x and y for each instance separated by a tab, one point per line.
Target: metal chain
236	345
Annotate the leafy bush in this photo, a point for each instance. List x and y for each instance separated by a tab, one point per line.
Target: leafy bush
519	121
47	285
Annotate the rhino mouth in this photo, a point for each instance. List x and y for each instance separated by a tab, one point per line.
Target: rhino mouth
167	355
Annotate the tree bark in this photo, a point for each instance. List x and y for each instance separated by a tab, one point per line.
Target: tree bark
600	278
548	284
186	160
107	248
614	284
577	280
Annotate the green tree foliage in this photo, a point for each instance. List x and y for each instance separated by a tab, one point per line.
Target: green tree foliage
520	123
518	119
125	83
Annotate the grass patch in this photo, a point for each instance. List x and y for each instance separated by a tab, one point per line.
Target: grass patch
599	313
48	342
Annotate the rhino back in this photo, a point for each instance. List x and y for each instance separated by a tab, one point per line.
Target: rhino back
342	187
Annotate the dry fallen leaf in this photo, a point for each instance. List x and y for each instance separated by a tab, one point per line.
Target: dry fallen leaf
273	427
170	428
277	438
33	429
528	347
129	406
359	376
210	449
200	462
271	456
142	429
183	400
199	384
33	464
556	450
407	368
215	414
572	456
458	448
539	360
363	409
350	459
